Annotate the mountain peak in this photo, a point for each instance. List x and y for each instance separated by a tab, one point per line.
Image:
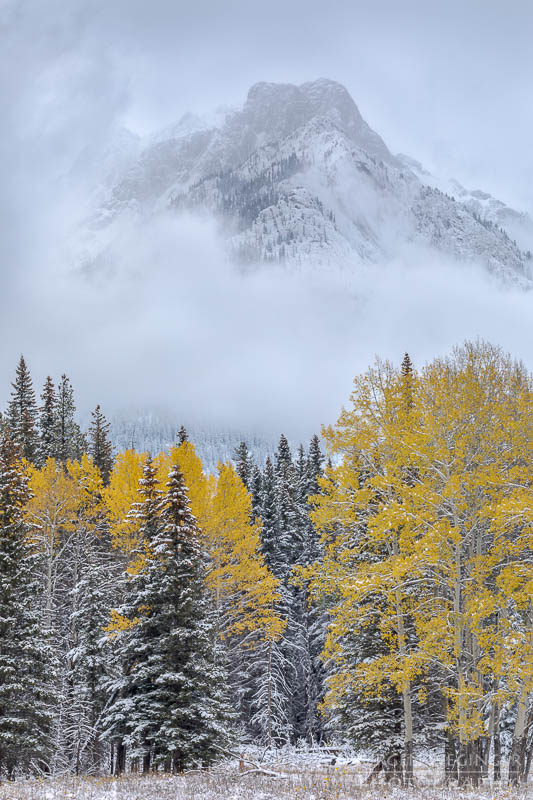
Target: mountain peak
298	176
275	110
329	97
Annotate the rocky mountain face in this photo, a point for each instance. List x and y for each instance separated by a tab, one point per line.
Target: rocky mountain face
297	176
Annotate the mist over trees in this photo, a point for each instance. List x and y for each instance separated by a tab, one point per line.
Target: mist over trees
153	615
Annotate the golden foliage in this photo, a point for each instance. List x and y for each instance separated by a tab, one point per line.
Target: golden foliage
427	525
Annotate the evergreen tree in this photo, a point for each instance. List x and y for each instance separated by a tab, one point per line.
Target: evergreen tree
315	619
277	670
256	491
172	693
315	465
183	436
92	576
100	444
283	455
407	365
22	412
243	463
127	722
270	721
306	624
25	697
268	515
47	423
88	661
287	534
70	443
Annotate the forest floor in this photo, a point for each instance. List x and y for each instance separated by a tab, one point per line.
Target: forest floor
297	774
310	784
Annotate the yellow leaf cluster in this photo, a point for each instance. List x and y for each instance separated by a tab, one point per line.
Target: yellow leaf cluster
427	525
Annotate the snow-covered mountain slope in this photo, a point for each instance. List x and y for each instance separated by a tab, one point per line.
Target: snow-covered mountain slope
517	224
153	433
298	176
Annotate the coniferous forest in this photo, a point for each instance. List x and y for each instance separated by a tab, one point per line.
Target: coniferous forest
373	587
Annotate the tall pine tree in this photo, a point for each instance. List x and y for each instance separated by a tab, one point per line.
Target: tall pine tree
25	696
100	445
170	701
243	464
70	443
47	423
22	412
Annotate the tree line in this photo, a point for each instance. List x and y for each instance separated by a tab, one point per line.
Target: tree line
152	614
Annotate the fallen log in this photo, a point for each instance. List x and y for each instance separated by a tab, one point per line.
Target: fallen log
256	768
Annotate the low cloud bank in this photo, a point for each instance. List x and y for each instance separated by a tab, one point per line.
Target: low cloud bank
170	325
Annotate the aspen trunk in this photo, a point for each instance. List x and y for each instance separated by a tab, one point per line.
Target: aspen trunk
450	751
529	759
470	764
497	770
408	777
486	743
518	748
450	758
517	760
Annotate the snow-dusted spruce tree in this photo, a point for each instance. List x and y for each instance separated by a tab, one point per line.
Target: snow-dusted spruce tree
309	688
128	720
269	688
287	533
256	490
243	464
22	412
288	675
70	443
89	662
47	421
25	696
267	511
170	701
100	444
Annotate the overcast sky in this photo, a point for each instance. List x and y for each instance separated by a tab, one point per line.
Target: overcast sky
445	81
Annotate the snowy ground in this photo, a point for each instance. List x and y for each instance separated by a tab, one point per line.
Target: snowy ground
311	782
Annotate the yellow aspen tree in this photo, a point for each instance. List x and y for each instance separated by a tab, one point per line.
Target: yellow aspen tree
240	581
50	514
119	496
245	590
90	517
416	514
237	575
200	485
476	434
370	571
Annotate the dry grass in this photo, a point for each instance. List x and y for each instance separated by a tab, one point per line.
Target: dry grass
343	783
